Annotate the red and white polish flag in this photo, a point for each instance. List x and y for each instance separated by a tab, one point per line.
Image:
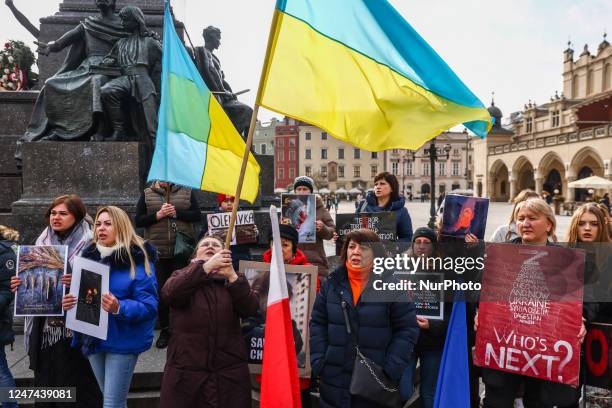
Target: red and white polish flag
280	386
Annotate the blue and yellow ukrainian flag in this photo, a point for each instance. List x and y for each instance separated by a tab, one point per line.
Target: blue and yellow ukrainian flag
197	145
358	70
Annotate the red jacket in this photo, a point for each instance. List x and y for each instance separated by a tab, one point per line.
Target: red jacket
299	259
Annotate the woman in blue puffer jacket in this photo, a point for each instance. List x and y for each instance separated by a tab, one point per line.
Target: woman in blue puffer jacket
385	197
131	304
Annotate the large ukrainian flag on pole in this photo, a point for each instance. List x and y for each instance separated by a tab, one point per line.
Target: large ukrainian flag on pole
197	145
358	70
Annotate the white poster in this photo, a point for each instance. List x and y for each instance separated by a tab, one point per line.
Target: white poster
90	280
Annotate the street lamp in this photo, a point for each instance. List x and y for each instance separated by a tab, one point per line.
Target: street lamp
433	154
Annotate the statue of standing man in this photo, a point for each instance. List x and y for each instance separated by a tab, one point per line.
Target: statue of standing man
210	68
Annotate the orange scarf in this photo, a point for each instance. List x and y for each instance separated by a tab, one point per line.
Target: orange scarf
358	278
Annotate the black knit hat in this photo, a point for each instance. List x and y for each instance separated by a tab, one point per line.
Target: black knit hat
304	181
287	232
425	232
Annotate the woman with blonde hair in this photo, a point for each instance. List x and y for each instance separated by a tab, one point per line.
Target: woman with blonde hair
131	303
507	232
536	224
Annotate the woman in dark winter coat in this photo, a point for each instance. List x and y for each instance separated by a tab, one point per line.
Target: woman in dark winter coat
207	357
536	224
386	331
385	197
131	304
47	340
8	257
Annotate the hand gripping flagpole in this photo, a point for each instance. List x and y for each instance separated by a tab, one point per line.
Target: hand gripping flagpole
249	141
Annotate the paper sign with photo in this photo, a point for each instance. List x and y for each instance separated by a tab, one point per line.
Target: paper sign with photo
300	211
464	215
301	285
40	269
90	280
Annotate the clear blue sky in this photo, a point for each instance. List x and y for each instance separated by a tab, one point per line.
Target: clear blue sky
511	47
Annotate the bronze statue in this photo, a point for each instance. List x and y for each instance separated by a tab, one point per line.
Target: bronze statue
210	68
69	106
23	20
139	57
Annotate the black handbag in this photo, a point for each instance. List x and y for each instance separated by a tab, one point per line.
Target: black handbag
369	381
184	245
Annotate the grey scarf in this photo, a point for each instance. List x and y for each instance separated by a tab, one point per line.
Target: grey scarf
77	240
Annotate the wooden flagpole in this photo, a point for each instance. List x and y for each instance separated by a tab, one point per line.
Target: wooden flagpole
249	141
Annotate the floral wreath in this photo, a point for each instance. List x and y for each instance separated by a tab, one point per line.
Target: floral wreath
16	60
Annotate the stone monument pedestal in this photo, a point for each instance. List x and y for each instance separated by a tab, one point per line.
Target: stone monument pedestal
101	173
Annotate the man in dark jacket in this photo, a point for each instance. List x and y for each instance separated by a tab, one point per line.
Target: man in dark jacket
164	209
8	258
325	227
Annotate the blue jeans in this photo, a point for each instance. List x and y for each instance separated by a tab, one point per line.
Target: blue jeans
6	378
430	366
114	374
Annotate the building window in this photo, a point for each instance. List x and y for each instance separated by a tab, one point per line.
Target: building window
375	155
291	155
442	168
442	188
340	171
308	171
307	154
323	171
356	171
394	168
324	136
373	170
556	118
281	142
263	148
291	173
324	153
529	125
280	155
455	168
292	142
426	169
340	153
409	168
395	151
357	153
455	152
281	173
308	136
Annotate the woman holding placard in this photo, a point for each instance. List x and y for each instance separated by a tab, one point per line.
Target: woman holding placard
131	303
47	340
386	197
207	356
535	223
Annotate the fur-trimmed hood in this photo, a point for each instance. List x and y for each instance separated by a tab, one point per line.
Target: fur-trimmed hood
119	259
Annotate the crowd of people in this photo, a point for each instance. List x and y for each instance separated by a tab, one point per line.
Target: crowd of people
202	303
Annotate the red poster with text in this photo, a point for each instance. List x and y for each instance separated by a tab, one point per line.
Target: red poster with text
530	311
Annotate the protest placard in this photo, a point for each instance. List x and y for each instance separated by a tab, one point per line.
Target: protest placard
300	211
40	269
464	215
382	223
245	231
428	303
301	286
90	280
598	347
530	312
